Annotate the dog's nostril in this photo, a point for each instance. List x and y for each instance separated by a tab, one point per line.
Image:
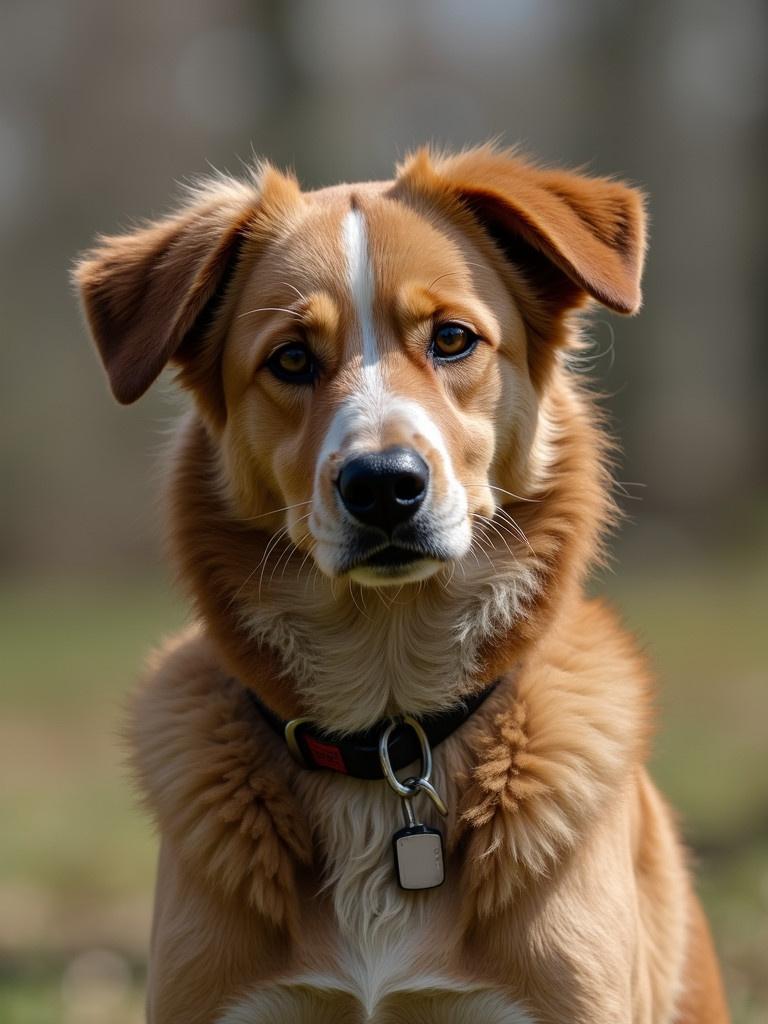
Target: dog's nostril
358	493
409	486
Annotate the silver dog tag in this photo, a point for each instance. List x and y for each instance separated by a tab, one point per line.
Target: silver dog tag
418	853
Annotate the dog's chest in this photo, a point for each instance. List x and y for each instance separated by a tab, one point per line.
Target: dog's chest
378	938
387	956
380	929
368	950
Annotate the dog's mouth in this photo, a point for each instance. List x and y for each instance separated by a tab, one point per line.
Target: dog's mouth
393	556
394	563
411	553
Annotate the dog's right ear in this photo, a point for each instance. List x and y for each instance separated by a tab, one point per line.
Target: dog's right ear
148	295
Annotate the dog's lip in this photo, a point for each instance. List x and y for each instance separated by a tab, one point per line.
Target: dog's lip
392	556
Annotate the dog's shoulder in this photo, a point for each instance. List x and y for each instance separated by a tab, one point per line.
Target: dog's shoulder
556	754
184	662
214	781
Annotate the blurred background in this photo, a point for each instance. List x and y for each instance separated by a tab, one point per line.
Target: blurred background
104	109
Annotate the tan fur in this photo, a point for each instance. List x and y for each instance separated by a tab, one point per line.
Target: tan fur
567	895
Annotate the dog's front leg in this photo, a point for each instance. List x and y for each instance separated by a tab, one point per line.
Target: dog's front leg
206	950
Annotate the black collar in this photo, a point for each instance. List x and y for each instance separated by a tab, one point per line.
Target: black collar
357	753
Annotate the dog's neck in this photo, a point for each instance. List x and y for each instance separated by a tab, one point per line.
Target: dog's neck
347	656
355	655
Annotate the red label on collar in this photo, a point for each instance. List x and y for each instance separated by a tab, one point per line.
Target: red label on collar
325	755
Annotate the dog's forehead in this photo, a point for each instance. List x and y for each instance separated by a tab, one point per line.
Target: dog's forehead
356	262
338	227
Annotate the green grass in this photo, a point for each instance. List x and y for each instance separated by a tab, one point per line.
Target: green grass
77	856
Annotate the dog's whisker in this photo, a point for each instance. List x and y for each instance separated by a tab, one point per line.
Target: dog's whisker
483	545
314	576
274	511
270	309
513	532
483	529
295	552
301	295
354	601
291	549
271	547
308	554
495	527
503	490
482	541
455	273
449	579
255	569
515	526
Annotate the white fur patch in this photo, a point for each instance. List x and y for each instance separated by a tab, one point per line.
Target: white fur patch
314	998
361	287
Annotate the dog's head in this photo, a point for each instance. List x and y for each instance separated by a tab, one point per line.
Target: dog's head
372	360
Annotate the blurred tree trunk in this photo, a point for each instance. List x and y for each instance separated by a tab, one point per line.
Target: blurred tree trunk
678	94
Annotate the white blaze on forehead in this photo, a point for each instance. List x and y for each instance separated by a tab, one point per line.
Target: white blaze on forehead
361	287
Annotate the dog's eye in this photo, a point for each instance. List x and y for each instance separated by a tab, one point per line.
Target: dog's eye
452	341
293	362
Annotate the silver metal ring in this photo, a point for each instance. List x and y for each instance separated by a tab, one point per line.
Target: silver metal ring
426	787
408	788
290	738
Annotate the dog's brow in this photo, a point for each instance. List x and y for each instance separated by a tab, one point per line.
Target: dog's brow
321	313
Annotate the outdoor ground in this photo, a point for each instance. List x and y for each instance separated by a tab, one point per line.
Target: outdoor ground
76	855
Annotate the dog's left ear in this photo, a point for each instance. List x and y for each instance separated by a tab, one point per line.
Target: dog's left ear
589	231
144	292
149	295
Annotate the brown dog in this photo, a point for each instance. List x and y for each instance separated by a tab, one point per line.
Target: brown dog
385	500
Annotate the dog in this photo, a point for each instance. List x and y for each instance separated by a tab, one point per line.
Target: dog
397	763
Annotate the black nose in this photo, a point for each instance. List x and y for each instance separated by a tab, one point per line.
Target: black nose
384	488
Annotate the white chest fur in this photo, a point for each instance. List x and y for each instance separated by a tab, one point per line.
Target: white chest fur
391	958
314	1000
381	929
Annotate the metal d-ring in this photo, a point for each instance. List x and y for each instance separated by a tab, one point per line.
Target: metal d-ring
421	783
290	738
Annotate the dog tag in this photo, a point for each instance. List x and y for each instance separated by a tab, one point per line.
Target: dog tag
418	853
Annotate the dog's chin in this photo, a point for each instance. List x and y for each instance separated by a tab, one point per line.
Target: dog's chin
388	575
391	565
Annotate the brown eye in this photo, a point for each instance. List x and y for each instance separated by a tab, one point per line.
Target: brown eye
294	363
452	341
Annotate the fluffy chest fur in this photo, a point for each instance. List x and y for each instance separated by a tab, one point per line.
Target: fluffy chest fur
386	956
529	779
357	656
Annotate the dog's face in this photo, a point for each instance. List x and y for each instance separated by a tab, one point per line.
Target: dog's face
370	358
374	367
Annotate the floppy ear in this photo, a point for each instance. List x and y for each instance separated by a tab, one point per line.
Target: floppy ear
144	293
575	235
